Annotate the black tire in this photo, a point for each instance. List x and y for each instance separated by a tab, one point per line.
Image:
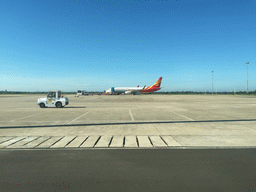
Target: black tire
58	105
42	105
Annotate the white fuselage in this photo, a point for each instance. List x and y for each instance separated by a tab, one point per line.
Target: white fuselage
124	89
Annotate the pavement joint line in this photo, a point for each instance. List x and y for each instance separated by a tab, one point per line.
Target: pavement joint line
97	140
174	138
42	141
11	137
155	127
56	141
182	116
78	117
131	115
20	139
71	141
150	140
127	123
110	141
137	141
163	140
83	141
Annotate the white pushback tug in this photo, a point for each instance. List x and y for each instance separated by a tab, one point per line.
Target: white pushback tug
53	99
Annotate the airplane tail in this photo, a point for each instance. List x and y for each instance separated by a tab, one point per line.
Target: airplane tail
156	85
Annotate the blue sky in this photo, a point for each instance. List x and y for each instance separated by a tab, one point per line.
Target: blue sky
98	44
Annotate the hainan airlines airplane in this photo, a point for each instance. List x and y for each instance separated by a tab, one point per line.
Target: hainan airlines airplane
134	90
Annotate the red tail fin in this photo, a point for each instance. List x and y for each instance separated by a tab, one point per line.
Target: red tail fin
156	85
158	82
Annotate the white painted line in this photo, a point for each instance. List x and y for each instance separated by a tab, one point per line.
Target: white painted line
131	115
76	142
157	141
170	141
90	142
78	117
104	141
117	141
144	141
26	117
130	141
182	116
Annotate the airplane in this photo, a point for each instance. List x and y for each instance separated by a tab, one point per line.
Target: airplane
135	90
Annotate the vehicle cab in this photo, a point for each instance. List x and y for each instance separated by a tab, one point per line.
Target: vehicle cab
53	99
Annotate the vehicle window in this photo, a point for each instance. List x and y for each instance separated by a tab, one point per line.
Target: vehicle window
51	94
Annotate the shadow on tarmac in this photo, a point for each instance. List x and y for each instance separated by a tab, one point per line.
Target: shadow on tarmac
65	107
129	123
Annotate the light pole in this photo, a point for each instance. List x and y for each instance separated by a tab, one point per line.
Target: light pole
212	82
247	75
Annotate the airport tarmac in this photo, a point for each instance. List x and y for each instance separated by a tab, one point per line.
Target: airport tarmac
148	170
129	121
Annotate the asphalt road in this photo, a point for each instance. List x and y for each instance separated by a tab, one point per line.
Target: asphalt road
128	170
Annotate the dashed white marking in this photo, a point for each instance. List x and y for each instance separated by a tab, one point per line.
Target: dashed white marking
78	117
131	115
